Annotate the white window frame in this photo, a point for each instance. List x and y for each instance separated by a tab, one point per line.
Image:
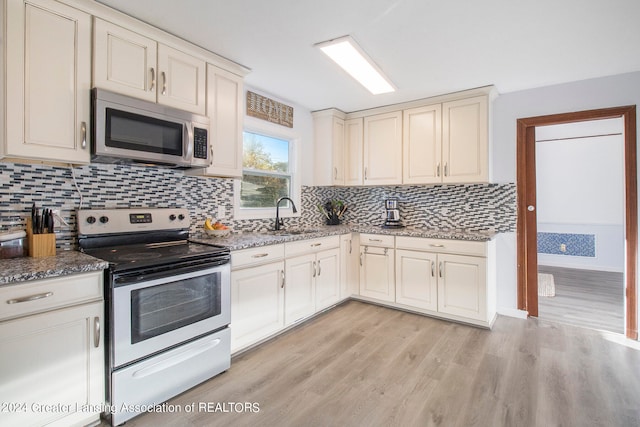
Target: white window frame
265	128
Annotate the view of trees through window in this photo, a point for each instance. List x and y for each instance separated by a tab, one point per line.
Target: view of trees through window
266	173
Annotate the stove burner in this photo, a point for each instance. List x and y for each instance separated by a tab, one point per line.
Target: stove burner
137	256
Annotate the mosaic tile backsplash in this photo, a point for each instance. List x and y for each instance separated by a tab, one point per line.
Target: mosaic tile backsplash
472	207
583	245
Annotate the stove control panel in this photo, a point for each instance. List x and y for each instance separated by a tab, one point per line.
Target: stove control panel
113	221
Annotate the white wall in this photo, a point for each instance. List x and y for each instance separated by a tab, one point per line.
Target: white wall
612	91
580	190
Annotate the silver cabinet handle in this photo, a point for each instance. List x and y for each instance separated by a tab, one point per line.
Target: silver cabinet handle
259	255
83	130
365	174
386	251
314	269
335	173
319	269
433	266
96	332
350	248
436	246
282	272
446	169
360	259
164	83
30	298
440	269
375	240
313	245
153	79
438	169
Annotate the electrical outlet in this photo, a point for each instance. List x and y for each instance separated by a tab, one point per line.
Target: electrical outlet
563	247
221	212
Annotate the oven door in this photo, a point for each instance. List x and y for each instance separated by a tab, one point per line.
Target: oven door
156	314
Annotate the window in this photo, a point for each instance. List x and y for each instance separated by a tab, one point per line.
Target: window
267	174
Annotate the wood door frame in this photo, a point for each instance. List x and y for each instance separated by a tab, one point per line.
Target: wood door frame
527	256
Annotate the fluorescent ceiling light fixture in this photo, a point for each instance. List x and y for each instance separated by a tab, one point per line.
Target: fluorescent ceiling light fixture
348	55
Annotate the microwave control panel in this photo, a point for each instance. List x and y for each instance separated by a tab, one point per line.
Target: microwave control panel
199	143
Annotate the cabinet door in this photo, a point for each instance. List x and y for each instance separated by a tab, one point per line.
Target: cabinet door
465	136
181	80
54	358
383	149
422	145
327	278
48	79
257	304
224	108
349	271
299	293
416	282
337	151
462	286
377	273
353	146
124	61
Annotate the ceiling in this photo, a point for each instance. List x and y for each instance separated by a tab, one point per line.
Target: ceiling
425	47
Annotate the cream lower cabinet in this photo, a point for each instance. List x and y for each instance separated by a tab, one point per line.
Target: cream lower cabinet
257	303
416	279
444	276
377	267
257	294
312	271
462	283
48	80
52	351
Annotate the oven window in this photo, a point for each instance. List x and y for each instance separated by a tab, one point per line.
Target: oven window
162	308
141	133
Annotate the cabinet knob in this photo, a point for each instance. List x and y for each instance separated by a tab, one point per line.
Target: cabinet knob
531	208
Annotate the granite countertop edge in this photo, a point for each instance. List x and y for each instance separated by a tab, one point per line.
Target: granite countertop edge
20	270
247	240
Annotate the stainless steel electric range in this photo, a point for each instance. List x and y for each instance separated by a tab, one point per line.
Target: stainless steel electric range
167	305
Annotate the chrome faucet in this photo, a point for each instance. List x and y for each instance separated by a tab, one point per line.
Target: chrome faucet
279	222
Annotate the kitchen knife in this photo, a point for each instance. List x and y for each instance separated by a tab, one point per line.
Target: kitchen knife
33	218
50	221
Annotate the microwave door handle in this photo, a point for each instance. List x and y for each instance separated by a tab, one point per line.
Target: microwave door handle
189	141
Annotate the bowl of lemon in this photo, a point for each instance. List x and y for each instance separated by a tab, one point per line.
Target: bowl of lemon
215	229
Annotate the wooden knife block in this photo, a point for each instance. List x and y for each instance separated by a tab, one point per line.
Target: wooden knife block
40	245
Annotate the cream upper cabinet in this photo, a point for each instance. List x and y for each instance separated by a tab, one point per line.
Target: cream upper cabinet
124	61
465	149
353	146
422	145
329	149
132	64
48	81
224	108
383	149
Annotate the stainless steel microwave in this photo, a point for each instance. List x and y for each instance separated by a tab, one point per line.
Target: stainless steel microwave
127	129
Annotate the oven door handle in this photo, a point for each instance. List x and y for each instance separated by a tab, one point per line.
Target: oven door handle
123	279
174	360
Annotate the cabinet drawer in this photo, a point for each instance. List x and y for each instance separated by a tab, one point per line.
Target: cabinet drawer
381	240
311	245
49	294
464	247
256	256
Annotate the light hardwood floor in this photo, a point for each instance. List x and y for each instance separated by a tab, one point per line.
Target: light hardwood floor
365	365
592	299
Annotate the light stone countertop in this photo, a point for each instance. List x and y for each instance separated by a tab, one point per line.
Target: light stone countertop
63	263
72	262
245	240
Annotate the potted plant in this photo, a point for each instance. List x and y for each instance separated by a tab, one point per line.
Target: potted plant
333	211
